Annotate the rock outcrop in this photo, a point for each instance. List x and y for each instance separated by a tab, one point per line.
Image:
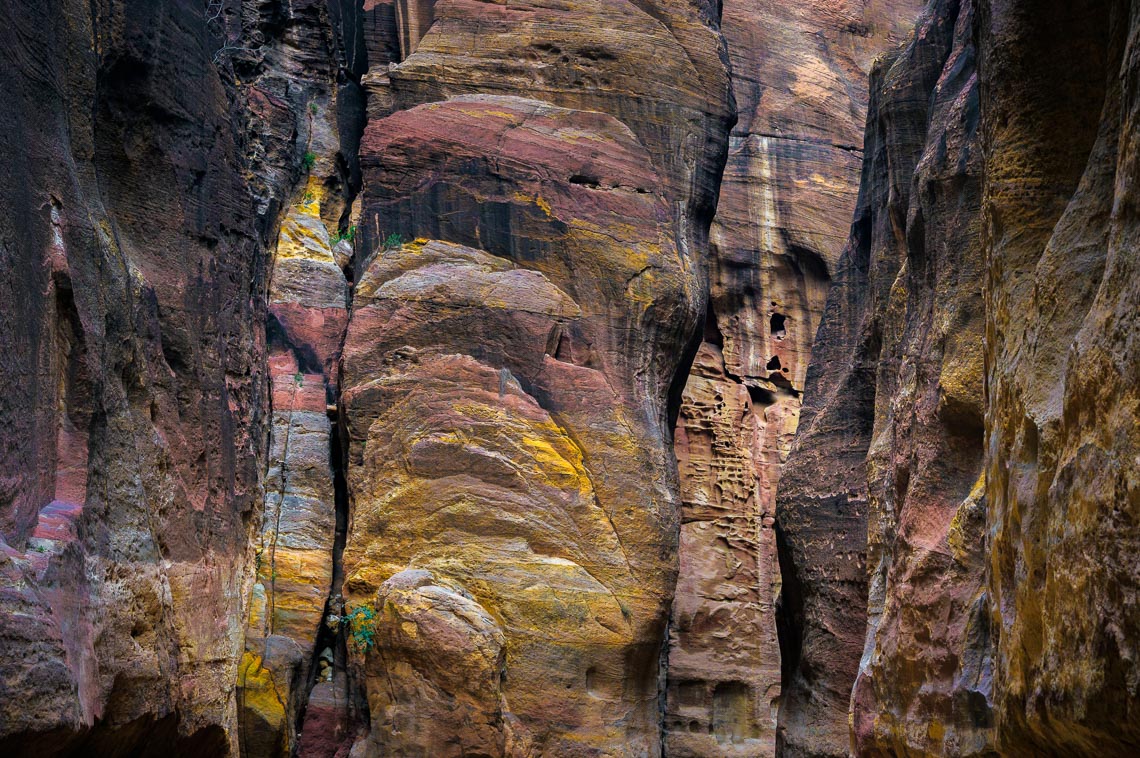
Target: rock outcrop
348	345
971	402
532	280
799	76
133	403
1059	87
884	480
924	682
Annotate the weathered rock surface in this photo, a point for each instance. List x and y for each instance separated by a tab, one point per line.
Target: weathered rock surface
980	387
799	76
132	406
287	471
884	466
1063	448
925	679
505	388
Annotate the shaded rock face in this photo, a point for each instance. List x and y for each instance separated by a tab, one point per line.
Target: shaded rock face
883	477
925	679
970	402
133	404
1062	362
519	322
799	77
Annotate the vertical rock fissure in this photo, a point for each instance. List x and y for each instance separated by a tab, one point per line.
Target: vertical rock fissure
329	654
330	709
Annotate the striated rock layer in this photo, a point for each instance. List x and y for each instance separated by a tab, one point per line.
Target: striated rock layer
1063	447
971	402
884	481
799	77
132	408
531	281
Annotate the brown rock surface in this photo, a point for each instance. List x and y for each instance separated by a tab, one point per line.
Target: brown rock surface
924	682
505	399
234	391
858	395
1063	473
799	76
999	615
132	404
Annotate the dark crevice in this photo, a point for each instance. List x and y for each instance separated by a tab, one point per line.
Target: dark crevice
712	333
789	620
330	646
778	326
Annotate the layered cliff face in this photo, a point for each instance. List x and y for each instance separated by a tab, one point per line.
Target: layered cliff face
1062	364
882	500
534	217
346	342
924	681
132	411
963	405
799	76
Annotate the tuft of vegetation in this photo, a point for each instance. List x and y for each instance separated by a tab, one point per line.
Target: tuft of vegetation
348	235
299	378
362	624
393	241
309	160
313	108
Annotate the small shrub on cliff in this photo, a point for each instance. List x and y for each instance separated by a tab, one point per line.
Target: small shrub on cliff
348	235
309	161
393	241
362	625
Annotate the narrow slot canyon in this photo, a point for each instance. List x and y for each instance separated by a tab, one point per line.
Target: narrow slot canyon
569	378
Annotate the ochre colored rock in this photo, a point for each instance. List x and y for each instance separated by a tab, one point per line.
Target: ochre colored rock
1062	361
505	400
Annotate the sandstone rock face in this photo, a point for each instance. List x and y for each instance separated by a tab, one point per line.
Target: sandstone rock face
925	679
999	472
292	68
799	77
888	452
132	407
334	441
505	385
531	280
1062	469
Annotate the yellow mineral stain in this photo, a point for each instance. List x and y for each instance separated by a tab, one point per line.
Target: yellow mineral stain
258	691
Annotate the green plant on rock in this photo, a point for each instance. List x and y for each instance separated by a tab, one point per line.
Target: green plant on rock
393	241
309	161
362	625
348	235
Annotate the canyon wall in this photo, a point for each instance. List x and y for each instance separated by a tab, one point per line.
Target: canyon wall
356	399
529	283
969	430
1060	129
799	74
133	408
844	505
